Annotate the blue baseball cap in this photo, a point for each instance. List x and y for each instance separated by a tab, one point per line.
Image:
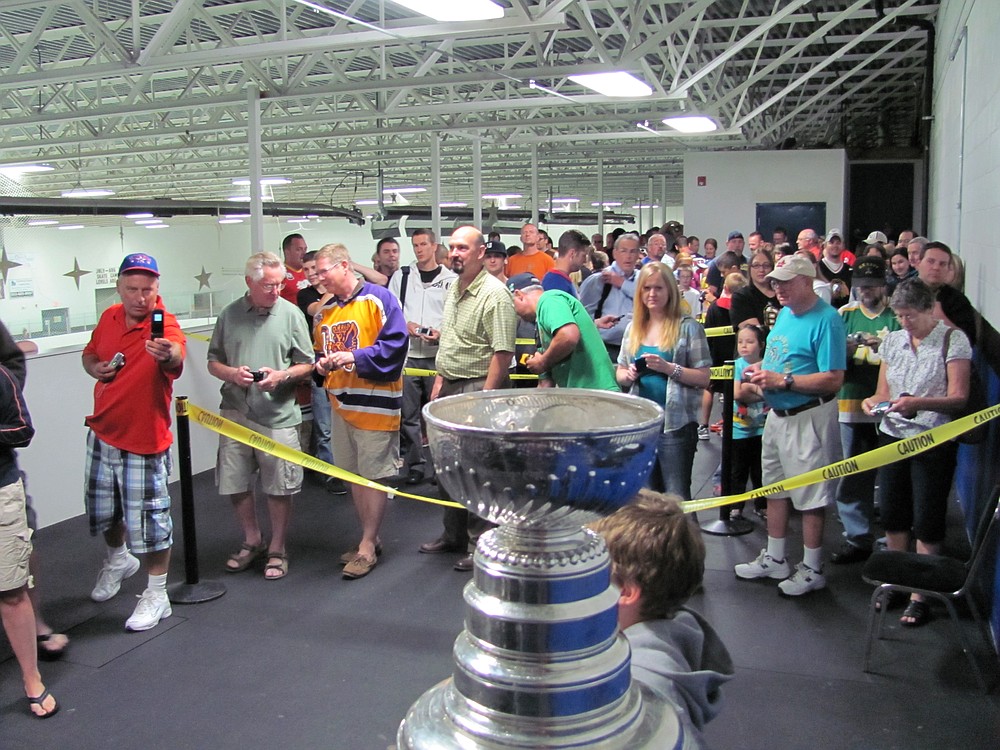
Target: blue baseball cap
139	262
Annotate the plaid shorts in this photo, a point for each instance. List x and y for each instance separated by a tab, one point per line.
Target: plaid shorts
129	487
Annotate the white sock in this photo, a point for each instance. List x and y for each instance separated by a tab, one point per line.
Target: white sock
158	584
813	558
118	555
776	548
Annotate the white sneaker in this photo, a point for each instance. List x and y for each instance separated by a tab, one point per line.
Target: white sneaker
703	432
152	608
764	566
109	580
804	580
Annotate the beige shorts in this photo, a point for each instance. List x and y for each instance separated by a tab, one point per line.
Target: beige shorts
372	454
237	463
800	443
15	538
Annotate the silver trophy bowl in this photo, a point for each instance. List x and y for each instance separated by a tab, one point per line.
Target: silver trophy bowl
541	663
560	456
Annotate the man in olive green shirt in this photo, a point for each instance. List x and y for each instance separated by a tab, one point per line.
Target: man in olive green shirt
477	342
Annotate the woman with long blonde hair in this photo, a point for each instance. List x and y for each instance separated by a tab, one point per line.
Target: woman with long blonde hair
664	357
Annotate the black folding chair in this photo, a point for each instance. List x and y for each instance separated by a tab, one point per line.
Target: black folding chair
934	576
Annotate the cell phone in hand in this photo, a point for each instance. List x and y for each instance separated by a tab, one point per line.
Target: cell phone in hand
641	365
257	375
156	324
117	361
422	331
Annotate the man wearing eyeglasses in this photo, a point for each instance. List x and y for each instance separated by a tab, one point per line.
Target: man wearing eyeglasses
260	350
608	295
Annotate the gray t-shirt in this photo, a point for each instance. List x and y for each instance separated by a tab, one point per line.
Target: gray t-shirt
275	337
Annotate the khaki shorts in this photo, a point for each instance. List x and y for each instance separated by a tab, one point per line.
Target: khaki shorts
800	443
15	538
236	463
372	454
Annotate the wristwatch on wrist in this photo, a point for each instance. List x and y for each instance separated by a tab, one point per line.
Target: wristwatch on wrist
789	382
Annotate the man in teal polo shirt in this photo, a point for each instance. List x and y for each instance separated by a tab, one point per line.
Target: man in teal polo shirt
571	352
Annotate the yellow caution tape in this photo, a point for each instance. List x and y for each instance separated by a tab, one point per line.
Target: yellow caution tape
883	456
230	429
417	372
887	454
720	331
725	372
199	336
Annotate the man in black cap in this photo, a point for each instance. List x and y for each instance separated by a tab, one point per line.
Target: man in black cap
571	352
866	322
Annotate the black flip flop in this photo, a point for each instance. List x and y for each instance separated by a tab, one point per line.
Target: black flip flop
50	654
39	701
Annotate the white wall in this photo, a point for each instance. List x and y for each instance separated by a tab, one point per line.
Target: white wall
737	181
190	243
60	395
965	145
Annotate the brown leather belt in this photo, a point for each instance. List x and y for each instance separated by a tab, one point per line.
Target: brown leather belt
806	406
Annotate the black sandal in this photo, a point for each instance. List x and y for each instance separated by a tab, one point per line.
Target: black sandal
45	653
918	612
893	600
39	701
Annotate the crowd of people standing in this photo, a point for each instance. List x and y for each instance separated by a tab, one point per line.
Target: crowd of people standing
837	352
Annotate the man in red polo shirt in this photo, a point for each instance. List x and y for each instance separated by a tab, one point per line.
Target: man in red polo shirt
128	446
294	249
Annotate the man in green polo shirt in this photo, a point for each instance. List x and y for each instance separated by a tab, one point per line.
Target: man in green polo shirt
571	352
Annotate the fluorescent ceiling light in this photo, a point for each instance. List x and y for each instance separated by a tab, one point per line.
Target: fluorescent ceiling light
246	198
608	204
366	202
404	190
245	181
87	193
157	226
138	216
618	84
71	226
454	10
691	124
42	222
16	170
147	222
230	221
502	196
645	205
452	205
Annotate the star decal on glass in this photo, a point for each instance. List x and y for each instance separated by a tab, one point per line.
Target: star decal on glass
76	273
6	264
203	279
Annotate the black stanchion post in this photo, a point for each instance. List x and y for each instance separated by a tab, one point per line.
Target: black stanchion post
192	591
726	526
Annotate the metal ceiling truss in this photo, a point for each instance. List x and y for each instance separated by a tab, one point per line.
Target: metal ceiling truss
150	97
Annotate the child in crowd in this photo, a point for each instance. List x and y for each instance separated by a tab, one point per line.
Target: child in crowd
15	547
721	347
685	280
749	413
657	563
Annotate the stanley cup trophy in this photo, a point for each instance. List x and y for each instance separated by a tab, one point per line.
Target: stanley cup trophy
541	663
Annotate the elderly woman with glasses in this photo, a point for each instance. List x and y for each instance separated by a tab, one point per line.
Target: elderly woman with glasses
923	380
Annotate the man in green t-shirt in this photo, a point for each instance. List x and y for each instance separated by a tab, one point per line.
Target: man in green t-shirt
571	352
866	320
